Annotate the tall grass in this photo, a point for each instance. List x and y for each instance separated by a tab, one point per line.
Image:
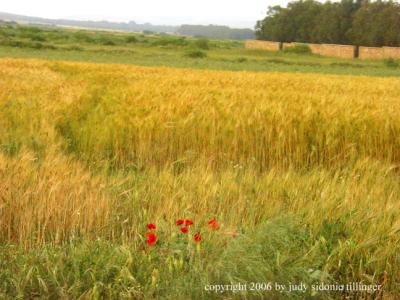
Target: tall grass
302	172
51	201
153	117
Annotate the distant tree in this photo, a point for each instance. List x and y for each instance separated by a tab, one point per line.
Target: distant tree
273	26
328	29
292	24
302	17
360	22
377	24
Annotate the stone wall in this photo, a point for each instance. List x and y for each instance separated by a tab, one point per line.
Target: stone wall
391	52
334	50
342	51
264	45
370	53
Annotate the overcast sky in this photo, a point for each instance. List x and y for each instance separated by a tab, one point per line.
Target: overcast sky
235	13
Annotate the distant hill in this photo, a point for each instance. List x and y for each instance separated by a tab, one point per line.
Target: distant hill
210	31
216	31
125	26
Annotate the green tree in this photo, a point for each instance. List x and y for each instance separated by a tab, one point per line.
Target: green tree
292	24
358	22
377	24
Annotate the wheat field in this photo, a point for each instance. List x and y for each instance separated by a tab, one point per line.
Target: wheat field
300	170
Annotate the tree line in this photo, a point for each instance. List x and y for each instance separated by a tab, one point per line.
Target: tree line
359	22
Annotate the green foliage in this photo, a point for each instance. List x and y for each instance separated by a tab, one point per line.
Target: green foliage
298	49
170	41
202	43
275	251
83	36
292	24
34	37
376	24
106	41
29	29
391	63
363	23
195	54
7	32
131	39
26	44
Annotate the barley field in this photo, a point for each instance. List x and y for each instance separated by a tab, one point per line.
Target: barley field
287	177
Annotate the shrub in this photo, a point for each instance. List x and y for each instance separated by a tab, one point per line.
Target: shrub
391	63
202	44
81	36
131	39
108	43
196	54
26	44
165	41
6	33
36	45
30	29
36	37
105	40
299	49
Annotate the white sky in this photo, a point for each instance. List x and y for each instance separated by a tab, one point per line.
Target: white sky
235	13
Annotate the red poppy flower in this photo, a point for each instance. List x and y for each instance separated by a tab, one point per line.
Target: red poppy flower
151	238
184	229
151	226
188	222
180	222
197	237
213	224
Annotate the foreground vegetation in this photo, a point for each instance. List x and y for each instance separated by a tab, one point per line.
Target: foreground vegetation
301	172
